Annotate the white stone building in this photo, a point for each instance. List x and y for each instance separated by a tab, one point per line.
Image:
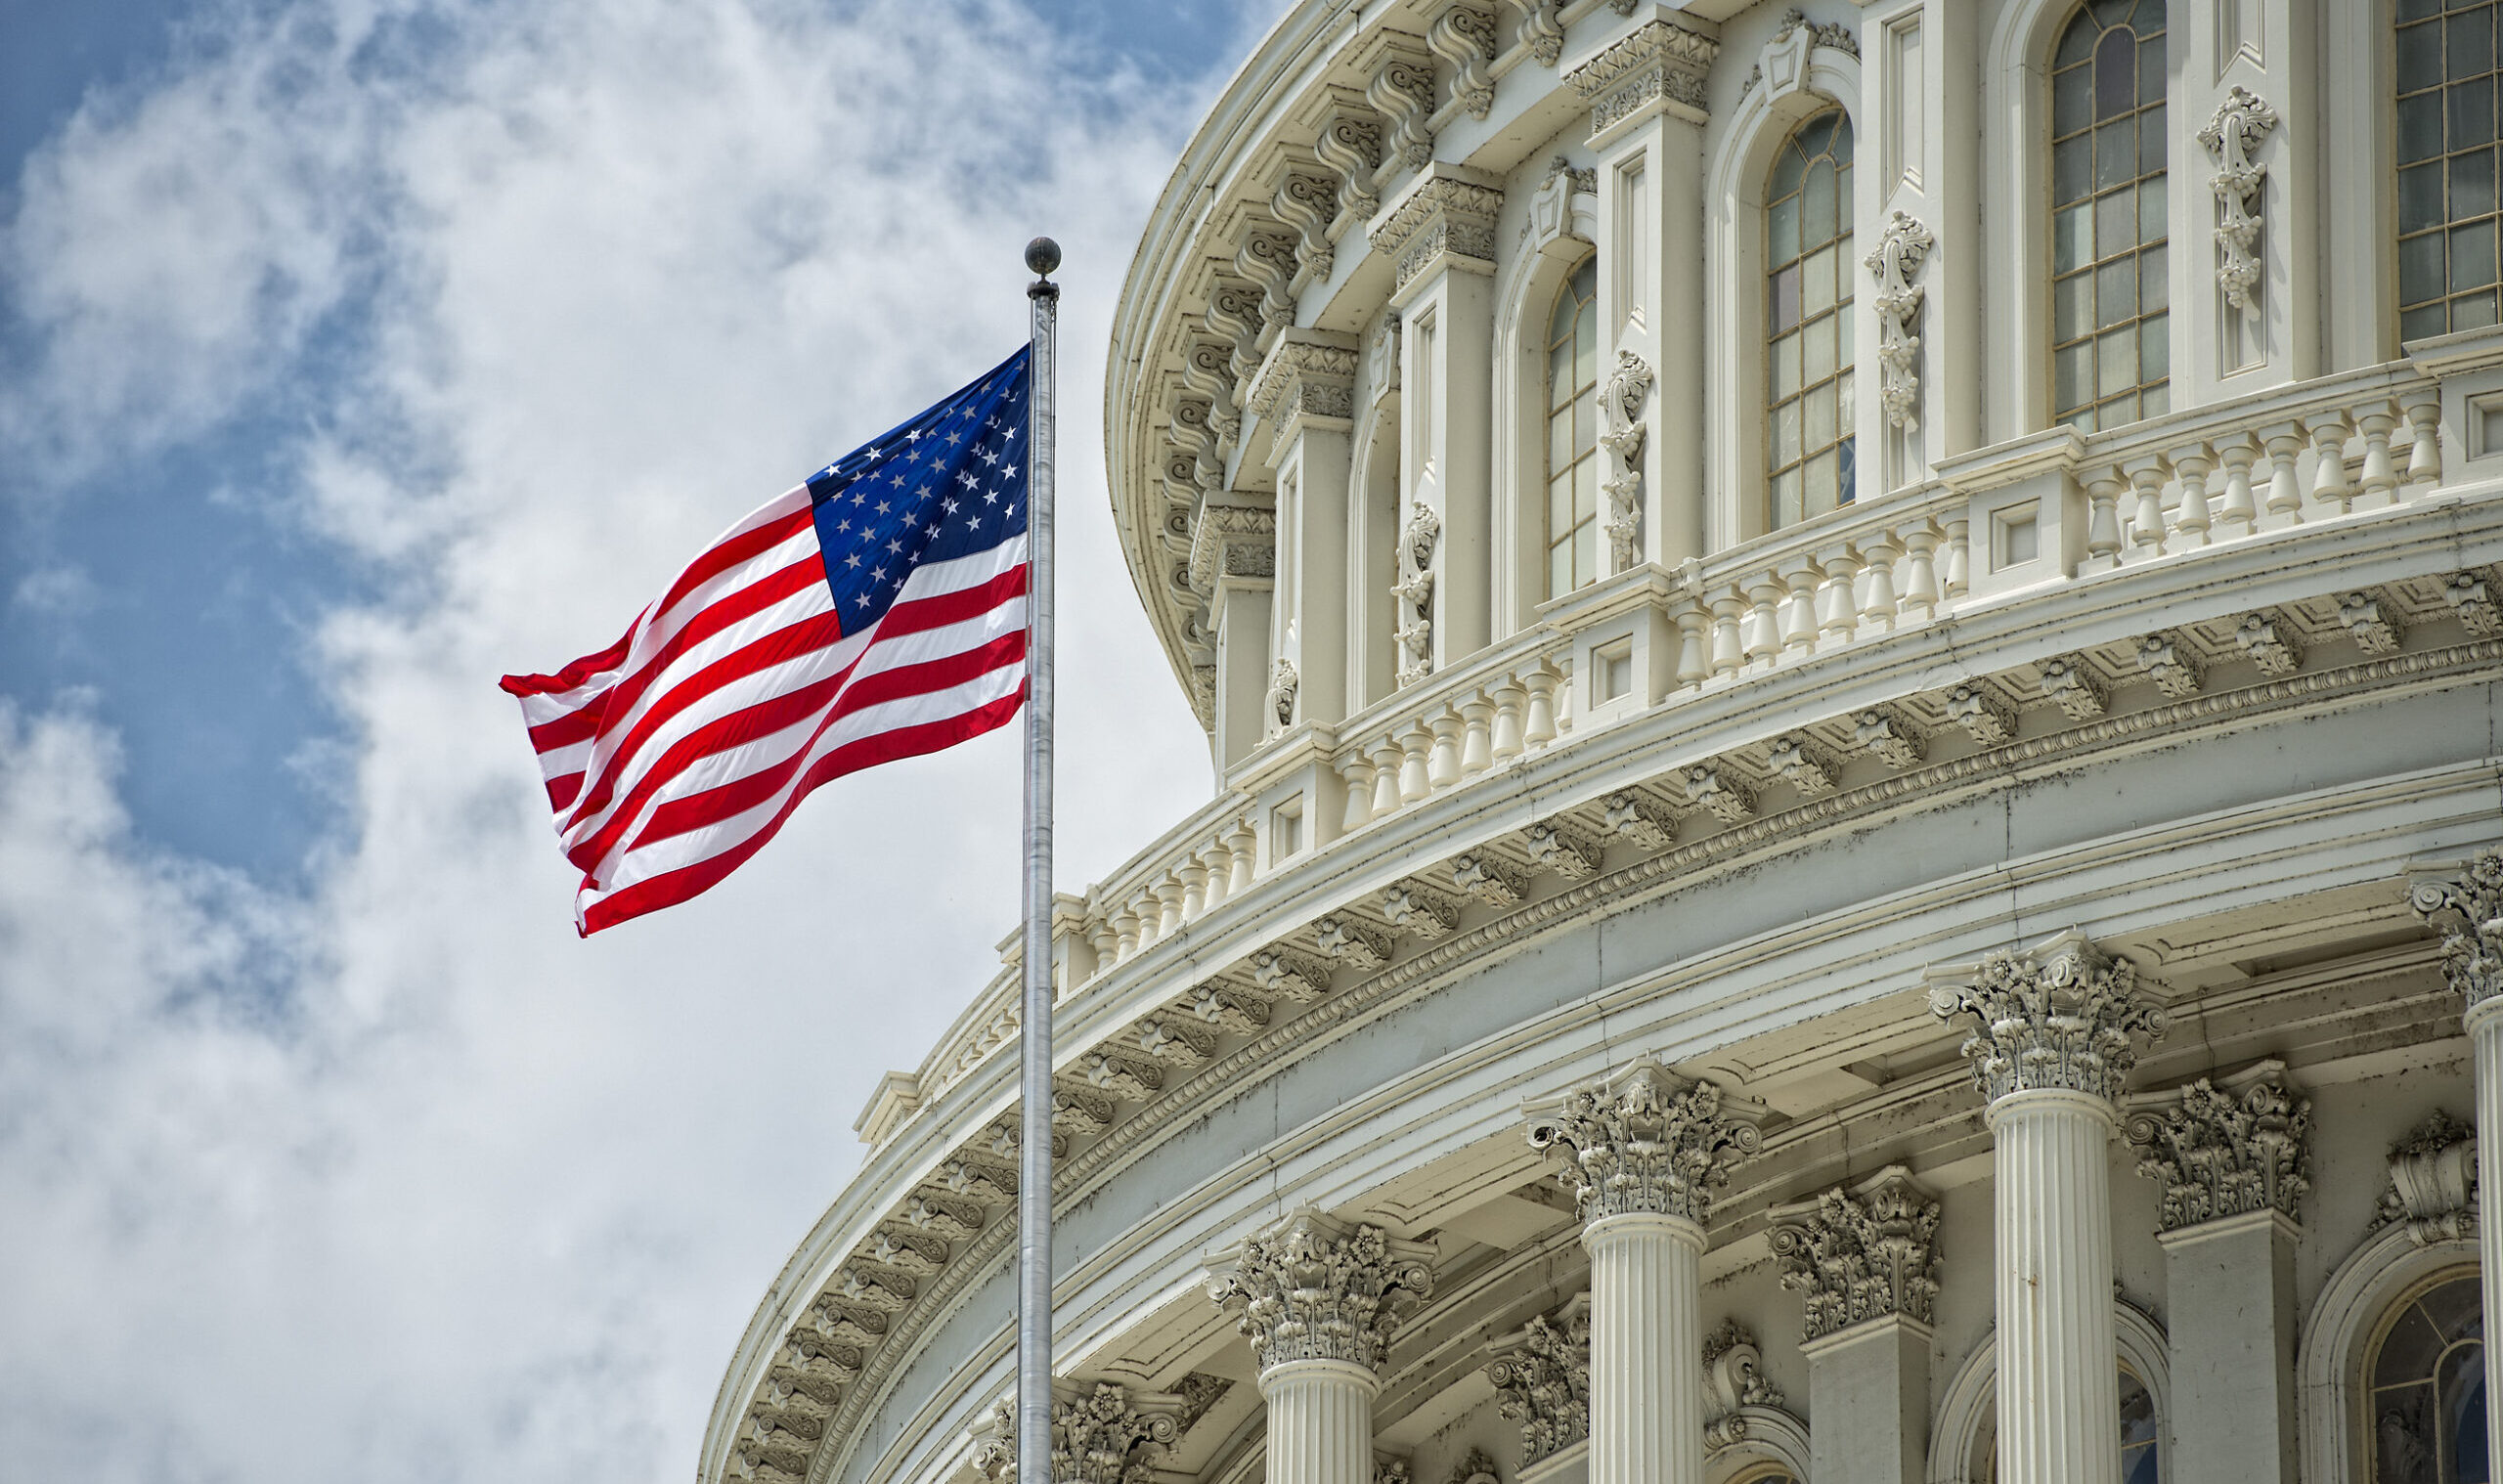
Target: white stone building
1853	668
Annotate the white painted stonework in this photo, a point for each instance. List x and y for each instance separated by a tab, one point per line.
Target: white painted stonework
1995	980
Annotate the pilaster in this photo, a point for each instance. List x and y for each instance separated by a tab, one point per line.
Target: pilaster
2246	177
1305	393
1542	1379
1233	555
2470	912
1104	1434
1865	1257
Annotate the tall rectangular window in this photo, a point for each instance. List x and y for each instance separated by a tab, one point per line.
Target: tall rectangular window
2447	254
2111	358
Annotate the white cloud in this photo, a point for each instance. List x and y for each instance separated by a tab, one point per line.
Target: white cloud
399	1181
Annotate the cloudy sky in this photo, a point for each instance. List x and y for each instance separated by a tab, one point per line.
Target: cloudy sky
353	353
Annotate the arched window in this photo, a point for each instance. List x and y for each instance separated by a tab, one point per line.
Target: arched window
2447	256
2425	1387
1572	433
2140	1431
2110	357
1809	453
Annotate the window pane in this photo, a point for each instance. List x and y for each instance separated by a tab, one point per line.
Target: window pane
1824	482
1786	434
1820	422
1817	282
2420	269
2472	113
2154	291
2418	10
2474	311
1850	468
2116	223
1814	133
2077	43
1818	357
2073	374
1560	505
2115	289
2420	197
2115	75
1842	397
1559	569
1785	366
2472	185
1842	336
1585	424
2469	39
1785	297
1782	231
2073	165
2150	73
2120	410
2155	349
1788	166
1786	499
1560	439
2151	139
1585	553
2154	402
2420	128
1560	376
2418	323
1586	490
2472	256
2420	57
2116	362
2116	152
1816	208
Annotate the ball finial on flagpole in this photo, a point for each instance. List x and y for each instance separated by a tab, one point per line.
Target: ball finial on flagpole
1042	255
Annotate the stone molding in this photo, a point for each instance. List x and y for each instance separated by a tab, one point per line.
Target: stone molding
1307	381
1232	540
1542	1379
1103	1436
1313	1287
2433	1182
2059	1017
2470	912
1645	1141
2220	1152
1861	1253
1444	220
1661	66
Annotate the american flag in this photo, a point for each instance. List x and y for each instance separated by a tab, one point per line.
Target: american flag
877	611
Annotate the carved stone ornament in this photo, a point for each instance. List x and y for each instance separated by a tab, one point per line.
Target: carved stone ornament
1441	216
2061	1016
1415	591
2240	124
1659	64
1542	1377
1304	377
1232	540
1279	705
1733	1378
1902	248
1646	1140
1464	35
1315	1288
1309	204
1102	1436
1402	91
1350	145
1391	1469
2433	1182
1541	31
2225	1151
1862	1254
1628	389
2470	913
1475	1467
1784	59
1551	207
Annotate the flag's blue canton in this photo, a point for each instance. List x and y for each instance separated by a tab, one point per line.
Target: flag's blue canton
946	484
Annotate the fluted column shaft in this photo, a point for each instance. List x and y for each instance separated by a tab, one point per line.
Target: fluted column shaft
1646	1349
2486	1036
2059	1401
1320	1422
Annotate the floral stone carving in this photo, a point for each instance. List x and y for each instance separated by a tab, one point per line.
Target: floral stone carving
2240	124
1733	1378
1315	1288
1628	386
2470	912
1902	248
2219	1152
2058	1017
1542	1379
2433	1182
1102	1436
1646	1142
1415	591
1862	1254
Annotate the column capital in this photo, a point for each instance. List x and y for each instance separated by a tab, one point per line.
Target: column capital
2470	913
1644	1142
1232	543
1315	1288
1446	219
2229	1150
1309	380
1542	1377
1658	68
2433	1182
2055	1018
1870	1251
1100	1435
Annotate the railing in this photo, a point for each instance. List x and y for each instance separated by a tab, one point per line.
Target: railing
2165	488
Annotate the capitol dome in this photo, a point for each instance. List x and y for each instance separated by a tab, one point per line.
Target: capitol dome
1851	656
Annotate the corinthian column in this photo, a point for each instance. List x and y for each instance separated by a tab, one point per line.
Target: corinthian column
2470	911
1320	1301
1643	1154
2050	1050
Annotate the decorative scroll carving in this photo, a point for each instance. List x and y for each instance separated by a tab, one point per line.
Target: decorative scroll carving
1305	376
1542	1377
1350	941
2169	661
2470	913
1290	976
1713	787
1483	878
1235	314
1562	849
1279	702
1628	387
1636	816
2227	1152
2272	642
1475	1467
2059	1017
1420	910
1464	35
2372	621
1402	91
1804	764
1658	62
1440	216
1308	204
1131	1081
1230	1010
2472	603
1315	1288
1351	146
1862	1254
1886	733
2241	122
1199	1392
1173	1037
1099	1437
1265	255
1732	1378
2069	681
1415	591
1232	540
1647	1141
2433	1182
1541	31
1984	719
1387	1470
1902	248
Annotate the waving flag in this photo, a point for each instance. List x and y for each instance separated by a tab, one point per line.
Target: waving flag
877	611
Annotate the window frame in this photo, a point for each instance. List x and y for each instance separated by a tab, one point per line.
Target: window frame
2096	272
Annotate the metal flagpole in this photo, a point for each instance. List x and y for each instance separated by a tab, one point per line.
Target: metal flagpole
1034	1152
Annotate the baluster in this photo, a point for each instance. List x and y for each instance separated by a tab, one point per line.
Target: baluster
1247	859
1542	707
2284	441
1508	699
1168	906
1727	653
1387	765
1799	610
2146	514
1195	888
2329	484
1125	931
2425	445
1764	626
2103	518
1920	573
1957	579
1839	617
1442	760
1695	626
1878	603
1106	941
2190	517
1414	782
1561	696
2380	477
1355	774
1478	713
2239	508
1218	863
